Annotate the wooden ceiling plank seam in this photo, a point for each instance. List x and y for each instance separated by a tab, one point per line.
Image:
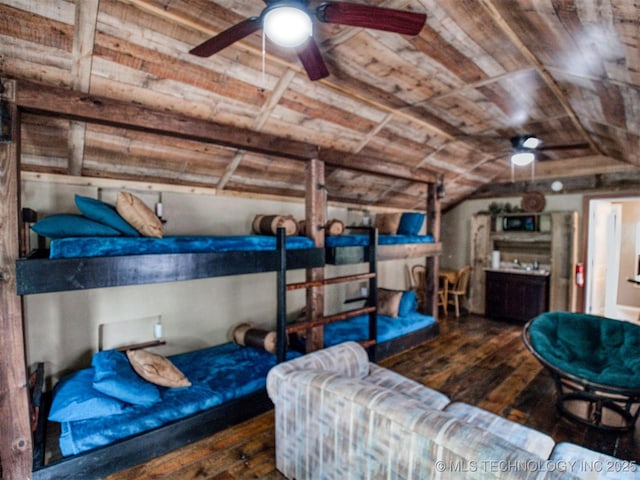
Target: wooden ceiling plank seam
494	13
271	103
82	55
373	132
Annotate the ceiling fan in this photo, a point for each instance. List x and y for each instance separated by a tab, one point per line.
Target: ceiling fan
288	23
527	148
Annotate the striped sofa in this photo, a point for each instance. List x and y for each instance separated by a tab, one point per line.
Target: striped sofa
338	416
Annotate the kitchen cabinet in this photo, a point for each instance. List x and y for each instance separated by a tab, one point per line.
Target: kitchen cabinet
516	296
556	247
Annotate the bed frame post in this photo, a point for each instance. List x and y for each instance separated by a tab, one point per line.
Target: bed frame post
432	262
15	440
281	328
315	205
373	291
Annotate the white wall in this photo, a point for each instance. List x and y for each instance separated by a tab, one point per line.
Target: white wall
63	328
629	294
456	224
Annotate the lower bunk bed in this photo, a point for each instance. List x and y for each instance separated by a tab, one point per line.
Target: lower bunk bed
399	326
111	419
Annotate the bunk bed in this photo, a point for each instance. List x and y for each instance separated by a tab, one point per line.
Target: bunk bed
37	273
399	330
234	392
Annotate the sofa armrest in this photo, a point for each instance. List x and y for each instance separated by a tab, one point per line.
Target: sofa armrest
349	359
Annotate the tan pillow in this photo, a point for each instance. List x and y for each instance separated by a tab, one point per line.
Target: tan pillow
387	223
141	217
389	302
156	369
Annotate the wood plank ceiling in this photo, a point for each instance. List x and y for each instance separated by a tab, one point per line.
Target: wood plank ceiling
443	103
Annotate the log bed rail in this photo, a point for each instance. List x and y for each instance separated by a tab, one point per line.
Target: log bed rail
16	454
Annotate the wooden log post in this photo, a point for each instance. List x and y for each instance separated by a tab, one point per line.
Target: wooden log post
433	261
315	221
15	430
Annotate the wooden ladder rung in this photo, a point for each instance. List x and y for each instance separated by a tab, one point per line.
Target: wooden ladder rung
302	326
330	281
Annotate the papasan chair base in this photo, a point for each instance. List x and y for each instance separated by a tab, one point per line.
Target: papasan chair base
556	339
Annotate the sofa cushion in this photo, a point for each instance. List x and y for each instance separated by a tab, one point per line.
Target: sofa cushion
524	437
386	378
587	464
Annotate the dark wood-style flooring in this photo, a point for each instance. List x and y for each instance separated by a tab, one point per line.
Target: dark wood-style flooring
474	360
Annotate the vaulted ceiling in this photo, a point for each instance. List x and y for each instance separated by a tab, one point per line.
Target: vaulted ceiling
442	104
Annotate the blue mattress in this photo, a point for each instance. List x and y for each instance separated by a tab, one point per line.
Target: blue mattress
363	240
357	328
78	247
218	374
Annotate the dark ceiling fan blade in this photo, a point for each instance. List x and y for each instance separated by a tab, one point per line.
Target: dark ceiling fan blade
397	21
311	58
574	146
227	37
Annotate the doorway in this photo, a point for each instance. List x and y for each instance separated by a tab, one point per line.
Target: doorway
612	244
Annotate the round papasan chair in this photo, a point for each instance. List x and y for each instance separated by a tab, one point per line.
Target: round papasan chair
595	363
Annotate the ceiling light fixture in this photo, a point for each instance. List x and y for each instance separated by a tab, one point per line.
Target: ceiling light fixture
530	142
522	158
287	25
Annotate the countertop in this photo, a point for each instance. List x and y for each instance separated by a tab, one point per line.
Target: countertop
542	272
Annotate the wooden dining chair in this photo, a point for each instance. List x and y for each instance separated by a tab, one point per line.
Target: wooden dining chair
443	294
458	293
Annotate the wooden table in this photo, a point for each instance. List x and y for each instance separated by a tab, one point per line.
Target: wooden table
449	279
451	276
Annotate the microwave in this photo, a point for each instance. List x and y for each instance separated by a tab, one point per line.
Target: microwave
520	223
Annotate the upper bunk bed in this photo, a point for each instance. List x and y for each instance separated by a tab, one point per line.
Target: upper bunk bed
185	258
107	246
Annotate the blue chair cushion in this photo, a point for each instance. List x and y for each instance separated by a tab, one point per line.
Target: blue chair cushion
597	349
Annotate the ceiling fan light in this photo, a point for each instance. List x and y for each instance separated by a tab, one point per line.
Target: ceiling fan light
531	142
287	26
522	158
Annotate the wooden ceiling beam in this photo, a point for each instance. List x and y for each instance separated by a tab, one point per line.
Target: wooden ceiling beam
56	101
82	55
60	102
267	109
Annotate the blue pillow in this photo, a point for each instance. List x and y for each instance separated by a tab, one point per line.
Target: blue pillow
408	303
63	225
104	213
410	223
74	398
114	377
